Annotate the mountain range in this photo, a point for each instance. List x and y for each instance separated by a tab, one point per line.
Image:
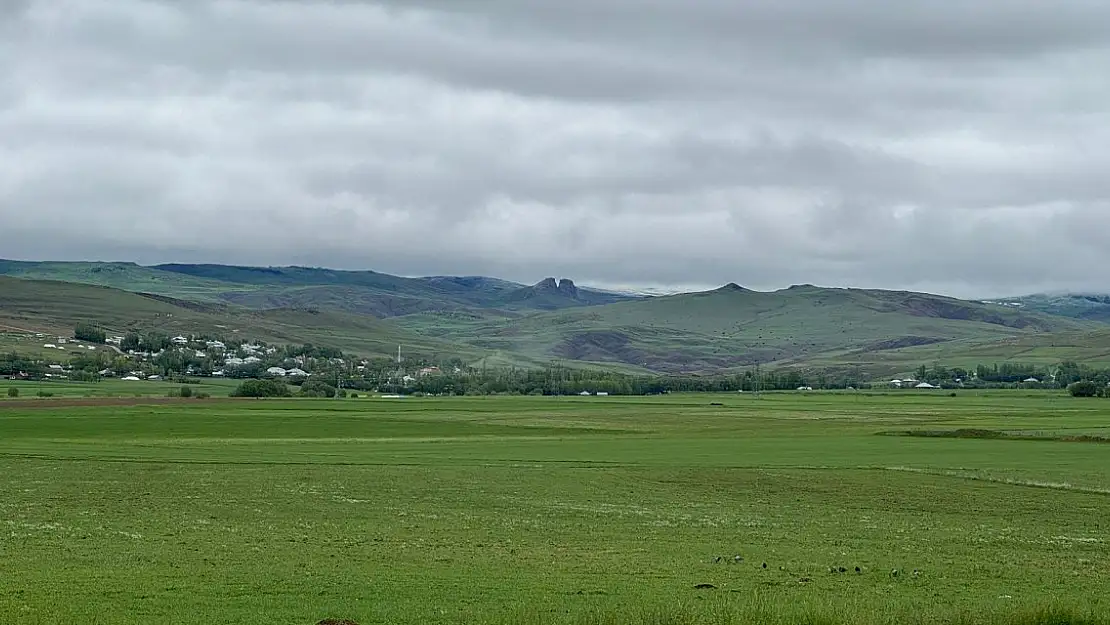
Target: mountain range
497	322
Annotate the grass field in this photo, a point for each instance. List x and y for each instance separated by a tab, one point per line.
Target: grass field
555	510
110	387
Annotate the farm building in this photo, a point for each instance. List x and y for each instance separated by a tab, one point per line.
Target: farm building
276	371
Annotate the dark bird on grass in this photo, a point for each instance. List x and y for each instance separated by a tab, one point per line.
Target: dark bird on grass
841	569
738	559
857	569
916	572
717	559
894	572
764	565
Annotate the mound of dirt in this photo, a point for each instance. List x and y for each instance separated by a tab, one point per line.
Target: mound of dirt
336	621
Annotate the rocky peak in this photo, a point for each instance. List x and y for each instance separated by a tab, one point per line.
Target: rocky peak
566	287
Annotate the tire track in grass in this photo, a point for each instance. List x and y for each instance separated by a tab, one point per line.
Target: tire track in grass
967	475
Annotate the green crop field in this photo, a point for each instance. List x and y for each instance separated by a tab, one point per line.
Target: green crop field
557	510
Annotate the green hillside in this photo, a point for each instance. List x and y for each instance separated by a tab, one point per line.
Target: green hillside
734	327
54	307
364	292
124	276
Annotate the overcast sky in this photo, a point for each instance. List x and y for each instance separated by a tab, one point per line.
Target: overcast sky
951	146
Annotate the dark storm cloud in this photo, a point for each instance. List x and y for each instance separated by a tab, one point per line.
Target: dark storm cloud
943	145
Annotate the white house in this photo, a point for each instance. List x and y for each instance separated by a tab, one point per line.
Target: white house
234	362
602	394
49	346
130	378
179	340
276	371
216	345
896	383
1031	381
252	360
926	385
296	373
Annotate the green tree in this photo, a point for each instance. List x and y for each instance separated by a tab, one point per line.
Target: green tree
1083	388
316	388
132	341
13	391
262	388
186	391
89	332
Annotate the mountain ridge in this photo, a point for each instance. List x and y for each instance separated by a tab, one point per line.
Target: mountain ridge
717	330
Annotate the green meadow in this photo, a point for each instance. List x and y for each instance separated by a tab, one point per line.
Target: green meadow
681	509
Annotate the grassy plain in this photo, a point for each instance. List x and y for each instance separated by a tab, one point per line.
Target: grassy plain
555	510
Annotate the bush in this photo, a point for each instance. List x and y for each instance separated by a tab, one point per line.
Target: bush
13	391
1085	388
316	388
201	396
262	388
185	392
45	394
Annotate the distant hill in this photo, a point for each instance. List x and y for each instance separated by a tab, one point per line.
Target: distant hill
1089	306
506	323
366	292
733	327
51	306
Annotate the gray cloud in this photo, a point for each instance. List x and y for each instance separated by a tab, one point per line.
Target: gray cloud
849	142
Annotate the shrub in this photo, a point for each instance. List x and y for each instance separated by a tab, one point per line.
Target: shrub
185	392
45	394
13	391
261	388
201	396
316	388
1085	388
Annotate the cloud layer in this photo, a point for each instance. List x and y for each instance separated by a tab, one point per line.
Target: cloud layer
917	144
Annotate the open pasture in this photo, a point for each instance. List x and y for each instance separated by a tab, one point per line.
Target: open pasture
556	510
